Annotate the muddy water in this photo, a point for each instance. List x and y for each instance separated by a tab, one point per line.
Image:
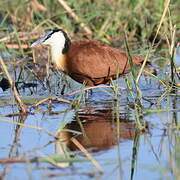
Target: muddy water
104	125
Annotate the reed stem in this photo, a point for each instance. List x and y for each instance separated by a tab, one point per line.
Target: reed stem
21	105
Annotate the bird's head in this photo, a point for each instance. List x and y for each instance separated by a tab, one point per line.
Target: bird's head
56	38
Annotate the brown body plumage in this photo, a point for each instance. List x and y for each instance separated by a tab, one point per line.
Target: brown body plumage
89	61
95	63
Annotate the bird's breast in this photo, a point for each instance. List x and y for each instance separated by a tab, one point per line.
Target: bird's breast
61	63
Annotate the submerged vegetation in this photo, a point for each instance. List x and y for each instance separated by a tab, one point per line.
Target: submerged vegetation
124	110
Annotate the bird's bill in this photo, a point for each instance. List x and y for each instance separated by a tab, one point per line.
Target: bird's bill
39	41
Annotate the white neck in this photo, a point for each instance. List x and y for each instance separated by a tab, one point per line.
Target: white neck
56	52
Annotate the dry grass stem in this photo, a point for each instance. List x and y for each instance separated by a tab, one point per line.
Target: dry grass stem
87	154
23	36
52	99
94	87
17	46
29	126
21	105
75	17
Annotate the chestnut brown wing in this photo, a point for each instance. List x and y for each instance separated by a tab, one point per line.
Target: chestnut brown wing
94	60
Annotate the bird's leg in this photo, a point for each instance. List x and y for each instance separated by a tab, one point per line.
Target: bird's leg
86	94
90	83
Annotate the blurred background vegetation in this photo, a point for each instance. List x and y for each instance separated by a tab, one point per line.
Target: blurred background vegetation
107	19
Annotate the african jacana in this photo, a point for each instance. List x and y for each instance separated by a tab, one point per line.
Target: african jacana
86	61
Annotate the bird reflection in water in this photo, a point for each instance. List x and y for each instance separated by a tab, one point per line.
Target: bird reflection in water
99	130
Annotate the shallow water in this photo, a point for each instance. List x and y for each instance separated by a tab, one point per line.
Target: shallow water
110	134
